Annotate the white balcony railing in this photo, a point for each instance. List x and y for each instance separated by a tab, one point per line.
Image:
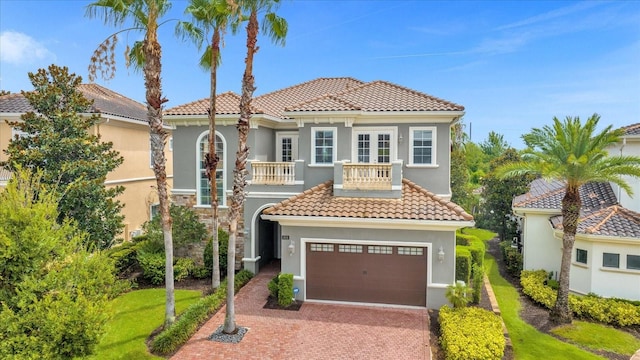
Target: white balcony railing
273	173
366	176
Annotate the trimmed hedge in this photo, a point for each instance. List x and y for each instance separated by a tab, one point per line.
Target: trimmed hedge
592	307
512	258
471	333
464	239
171	339
463	264
273	286
477	249
285	289
477	283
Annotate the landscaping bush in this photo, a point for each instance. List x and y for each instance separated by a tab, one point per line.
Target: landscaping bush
273	286
186	228
458	294
464	239
285	289
182	267
169	340
152	264
512	258
200	272
477	282
123	256
477	249
471	334
609	311
463	264
223	241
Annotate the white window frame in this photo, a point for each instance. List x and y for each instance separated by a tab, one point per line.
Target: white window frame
294	144
151	207
334	153
374	131
19	133
221	202
434	146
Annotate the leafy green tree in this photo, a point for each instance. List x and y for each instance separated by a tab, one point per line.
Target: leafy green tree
59	143
494	146
461	192
576	154
212	16
276	28
498	194
186	228
477	164
145	16
54	293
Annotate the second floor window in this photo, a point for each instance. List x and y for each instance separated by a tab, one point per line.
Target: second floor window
423	146
324	146
203	185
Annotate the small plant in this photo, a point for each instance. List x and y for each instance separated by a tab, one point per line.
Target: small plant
459	294
285	289
471	334
274	287
181	268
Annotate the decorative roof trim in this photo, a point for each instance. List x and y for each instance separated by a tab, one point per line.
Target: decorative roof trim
340	222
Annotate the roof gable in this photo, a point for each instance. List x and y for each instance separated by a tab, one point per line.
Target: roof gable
613	220
548	195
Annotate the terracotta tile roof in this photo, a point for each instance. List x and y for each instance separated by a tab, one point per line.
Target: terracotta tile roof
548	195
633	129
613	220
378	96
326	94
227	103
416	203
105	101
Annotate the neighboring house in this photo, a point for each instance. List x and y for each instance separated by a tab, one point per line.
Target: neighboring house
348	185
123	122
606	253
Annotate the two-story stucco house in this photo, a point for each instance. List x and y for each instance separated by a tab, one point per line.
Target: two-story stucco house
123	122
606	252
348	187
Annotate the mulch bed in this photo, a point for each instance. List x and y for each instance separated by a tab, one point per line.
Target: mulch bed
534	314
272	303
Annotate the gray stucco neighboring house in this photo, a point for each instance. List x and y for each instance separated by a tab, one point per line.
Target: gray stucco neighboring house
348	186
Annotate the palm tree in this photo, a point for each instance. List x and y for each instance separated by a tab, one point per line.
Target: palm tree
276	28
211	15
577	155
145	16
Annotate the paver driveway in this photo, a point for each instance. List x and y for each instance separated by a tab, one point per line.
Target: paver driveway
316	331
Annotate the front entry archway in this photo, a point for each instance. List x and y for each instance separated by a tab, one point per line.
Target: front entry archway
267	246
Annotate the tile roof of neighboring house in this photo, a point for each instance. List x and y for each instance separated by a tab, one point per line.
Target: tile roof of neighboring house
378	96
105	101
330	94
416	203
548	195
613	220
226	103
633	129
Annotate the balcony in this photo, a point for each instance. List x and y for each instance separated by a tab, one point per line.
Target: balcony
367	180
276	173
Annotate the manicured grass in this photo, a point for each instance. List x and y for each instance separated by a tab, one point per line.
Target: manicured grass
527	341
599	337
482	234
137	314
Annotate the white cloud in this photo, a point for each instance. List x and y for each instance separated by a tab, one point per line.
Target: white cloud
18	48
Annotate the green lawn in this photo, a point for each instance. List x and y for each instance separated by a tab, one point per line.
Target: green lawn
137	314
527	341
599	337
482	234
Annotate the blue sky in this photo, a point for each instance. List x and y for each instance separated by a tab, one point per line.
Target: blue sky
514	65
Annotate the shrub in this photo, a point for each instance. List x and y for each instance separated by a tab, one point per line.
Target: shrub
194	316
273	286
458	294
478	282
464	239
123	256
182	267
463	264
512	258
186	227
609	311
200	272
152	264
477	249
285	289
471	334
223	241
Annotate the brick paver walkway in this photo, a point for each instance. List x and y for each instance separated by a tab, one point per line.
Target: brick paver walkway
316	331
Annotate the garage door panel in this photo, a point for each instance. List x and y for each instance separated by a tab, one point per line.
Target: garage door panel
366	277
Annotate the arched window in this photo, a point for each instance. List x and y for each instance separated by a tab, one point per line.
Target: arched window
203	186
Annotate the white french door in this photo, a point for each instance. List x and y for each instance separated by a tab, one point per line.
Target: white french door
287	147
374	147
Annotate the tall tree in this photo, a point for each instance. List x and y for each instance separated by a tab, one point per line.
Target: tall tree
276	28
57	140
144	16
460	193
212	16
494	146
576	154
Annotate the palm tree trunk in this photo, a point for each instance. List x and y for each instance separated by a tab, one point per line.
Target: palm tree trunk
571	204
240	171
152	69
212	159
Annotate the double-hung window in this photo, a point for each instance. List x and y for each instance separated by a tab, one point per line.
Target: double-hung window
323	148
422	148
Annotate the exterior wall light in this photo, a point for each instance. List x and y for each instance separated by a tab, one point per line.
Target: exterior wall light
441	254
291	247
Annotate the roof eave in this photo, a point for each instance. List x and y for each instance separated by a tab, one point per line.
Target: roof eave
348	222
200	120
600	238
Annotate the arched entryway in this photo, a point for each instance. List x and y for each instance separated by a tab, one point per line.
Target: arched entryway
266	234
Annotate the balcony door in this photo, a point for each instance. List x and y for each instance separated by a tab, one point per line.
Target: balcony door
287	146
374	146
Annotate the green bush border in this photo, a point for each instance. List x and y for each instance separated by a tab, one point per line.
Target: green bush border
591	307
463	263
285	289
471	333
512	258
171	339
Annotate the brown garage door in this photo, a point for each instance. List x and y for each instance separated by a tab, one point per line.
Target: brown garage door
367	273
